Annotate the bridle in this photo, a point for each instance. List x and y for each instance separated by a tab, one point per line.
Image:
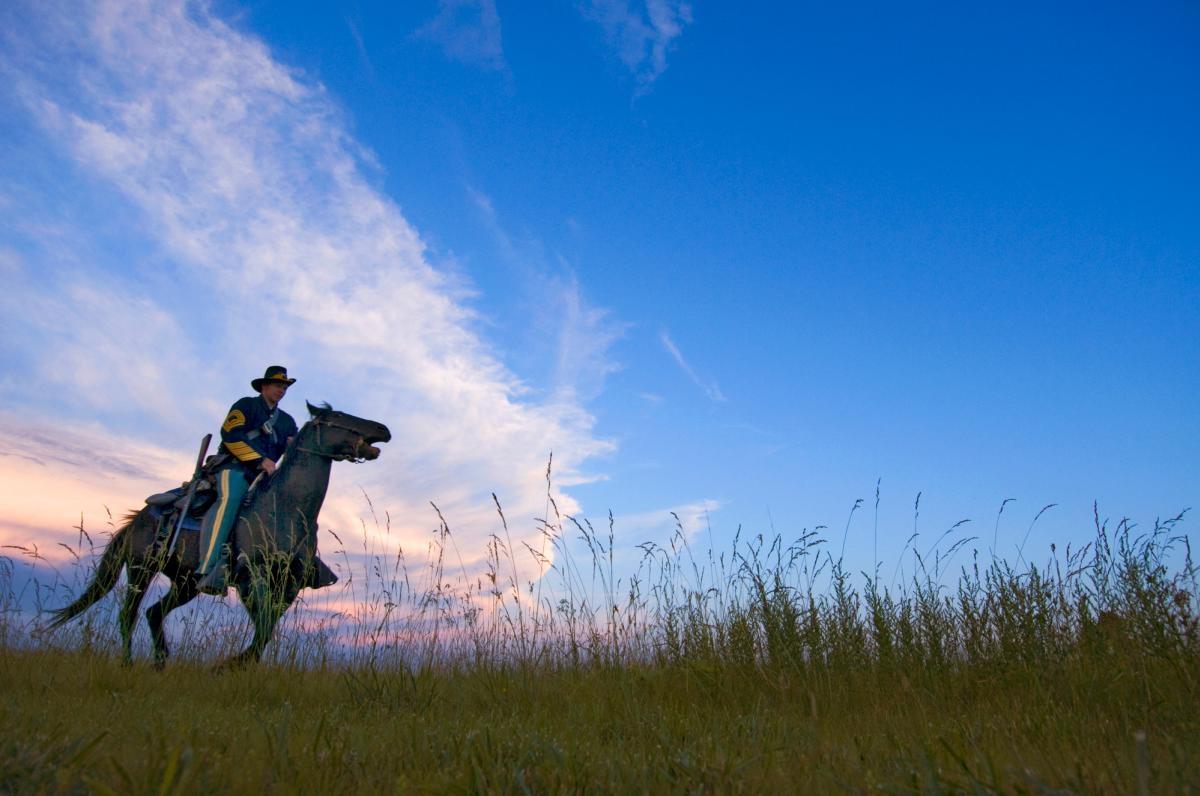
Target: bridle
360	442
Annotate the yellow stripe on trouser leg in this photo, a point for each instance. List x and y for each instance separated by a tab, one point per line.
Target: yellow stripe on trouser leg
231	488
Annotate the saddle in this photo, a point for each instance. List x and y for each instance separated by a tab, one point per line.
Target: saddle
165	507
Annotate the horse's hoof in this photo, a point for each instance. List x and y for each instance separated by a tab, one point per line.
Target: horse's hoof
233	664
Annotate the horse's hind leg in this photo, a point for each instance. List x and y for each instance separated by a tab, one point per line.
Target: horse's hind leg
139	580
183	591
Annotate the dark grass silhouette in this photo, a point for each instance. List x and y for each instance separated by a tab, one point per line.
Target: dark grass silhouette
761	668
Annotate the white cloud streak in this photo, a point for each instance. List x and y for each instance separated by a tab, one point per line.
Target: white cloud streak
467	31
641	31
586	335
710	388
659	525
583	334
243	173
361	45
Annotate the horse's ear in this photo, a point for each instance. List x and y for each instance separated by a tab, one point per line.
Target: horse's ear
318	411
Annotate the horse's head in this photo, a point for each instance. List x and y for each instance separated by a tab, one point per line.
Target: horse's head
344	437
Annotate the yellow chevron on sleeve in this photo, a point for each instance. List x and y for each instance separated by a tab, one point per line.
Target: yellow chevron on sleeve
243	451
235	419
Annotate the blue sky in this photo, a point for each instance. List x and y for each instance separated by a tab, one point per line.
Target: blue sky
737	259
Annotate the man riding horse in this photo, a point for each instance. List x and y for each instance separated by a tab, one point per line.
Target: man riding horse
274	534
253	437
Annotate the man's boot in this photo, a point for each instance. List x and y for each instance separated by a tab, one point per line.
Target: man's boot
215	580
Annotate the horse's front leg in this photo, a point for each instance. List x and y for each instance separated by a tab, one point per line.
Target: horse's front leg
267	593
183	590
140	576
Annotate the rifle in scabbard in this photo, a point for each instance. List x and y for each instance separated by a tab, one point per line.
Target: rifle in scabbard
191	492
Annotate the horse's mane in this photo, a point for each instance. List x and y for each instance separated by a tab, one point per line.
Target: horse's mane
287	457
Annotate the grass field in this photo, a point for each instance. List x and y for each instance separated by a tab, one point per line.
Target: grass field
764	670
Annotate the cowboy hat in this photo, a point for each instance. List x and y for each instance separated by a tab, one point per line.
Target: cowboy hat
277	373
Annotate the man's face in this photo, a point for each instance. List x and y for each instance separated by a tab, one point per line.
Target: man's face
273	391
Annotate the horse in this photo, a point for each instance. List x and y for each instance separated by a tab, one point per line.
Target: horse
275	540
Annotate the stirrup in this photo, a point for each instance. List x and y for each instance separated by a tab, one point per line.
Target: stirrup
318	575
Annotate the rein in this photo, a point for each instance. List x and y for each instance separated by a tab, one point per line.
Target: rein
340	457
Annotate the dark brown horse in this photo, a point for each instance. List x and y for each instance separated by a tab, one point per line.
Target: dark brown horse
275	539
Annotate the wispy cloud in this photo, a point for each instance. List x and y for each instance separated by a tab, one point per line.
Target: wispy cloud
583	334
247	188
641	31
491	222
467	31
709	387
660	525
52	471
103	348
586	335
359	43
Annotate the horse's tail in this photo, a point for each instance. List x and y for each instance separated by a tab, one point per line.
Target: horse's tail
112	560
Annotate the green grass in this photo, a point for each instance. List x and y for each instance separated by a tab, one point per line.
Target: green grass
766	669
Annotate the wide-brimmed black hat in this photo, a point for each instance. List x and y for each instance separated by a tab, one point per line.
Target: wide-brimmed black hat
274	373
